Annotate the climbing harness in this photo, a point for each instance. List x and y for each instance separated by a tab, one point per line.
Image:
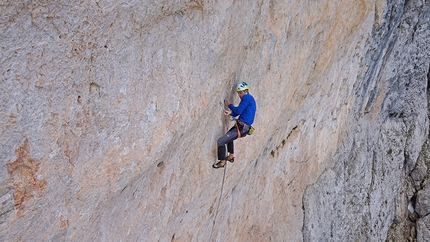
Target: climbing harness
238	131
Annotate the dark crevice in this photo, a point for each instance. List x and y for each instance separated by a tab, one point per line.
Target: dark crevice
413	200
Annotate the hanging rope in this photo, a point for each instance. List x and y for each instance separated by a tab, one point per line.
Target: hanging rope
219	201
223	179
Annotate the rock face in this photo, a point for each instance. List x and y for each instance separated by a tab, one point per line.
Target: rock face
357	198
423	202
110	112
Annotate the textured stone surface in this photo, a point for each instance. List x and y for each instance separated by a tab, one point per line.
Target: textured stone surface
356	198
423	229
110	112
423	202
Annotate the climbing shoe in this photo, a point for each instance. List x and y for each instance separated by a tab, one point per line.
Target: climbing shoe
218	165
230	159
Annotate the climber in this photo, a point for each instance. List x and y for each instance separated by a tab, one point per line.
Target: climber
244	115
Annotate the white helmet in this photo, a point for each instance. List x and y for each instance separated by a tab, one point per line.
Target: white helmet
242	86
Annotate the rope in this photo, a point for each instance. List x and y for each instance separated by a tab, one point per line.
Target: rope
219	201
222	184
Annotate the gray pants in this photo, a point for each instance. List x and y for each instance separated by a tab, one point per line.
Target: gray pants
228	139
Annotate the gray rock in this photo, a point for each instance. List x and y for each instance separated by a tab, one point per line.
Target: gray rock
423	202
423	229
385	135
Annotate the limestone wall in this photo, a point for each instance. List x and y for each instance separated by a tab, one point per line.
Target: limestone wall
374	184
110	112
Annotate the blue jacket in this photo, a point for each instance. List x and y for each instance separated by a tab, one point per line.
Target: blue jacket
246	109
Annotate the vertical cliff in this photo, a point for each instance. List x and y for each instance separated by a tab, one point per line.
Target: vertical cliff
110	112
368	189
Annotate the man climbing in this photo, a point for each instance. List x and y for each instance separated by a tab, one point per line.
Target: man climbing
244	115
